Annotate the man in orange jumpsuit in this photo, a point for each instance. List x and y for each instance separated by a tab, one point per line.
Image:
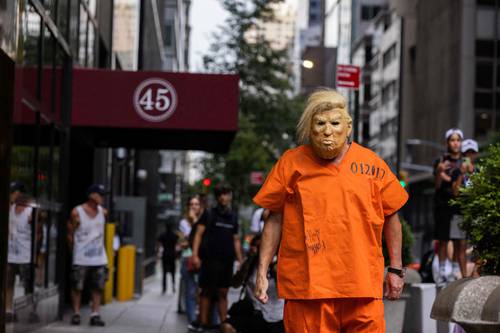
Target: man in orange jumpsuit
330	201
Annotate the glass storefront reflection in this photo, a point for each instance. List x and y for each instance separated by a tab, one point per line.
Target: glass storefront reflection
9	26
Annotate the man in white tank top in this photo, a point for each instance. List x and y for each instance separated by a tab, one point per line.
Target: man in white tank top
86	239
19	245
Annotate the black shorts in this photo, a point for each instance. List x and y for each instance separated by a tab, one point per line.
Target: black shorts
442	219
216	274
23	270
97	276
254	323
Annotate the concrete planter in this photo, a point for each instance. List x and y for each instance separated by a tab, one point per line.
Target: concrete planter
474	304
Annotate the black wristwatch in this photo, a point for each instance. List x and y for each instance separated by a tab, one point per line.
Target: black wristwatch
399	272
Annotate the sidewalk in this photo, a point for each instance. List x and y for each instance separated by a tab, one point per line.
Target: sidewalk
152	313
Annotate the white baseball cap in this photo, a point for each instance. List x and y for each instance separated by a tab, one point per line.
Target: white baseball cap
469	144
452	131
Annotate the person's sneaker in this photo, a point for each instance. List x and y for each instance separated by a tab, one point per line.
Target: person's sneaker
75	319
10	317
96	321
194	326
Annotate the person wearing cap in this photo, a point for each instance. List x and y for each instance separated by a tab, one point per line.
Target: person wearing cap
460	177
443	210
330	201
86	239
19	244
216	245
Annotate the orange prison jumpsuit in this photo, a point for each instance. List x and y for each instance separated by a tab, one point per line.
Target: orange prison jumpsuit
330	263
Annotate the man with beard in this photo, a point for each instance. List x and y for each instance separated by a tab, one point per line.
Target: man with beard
330	202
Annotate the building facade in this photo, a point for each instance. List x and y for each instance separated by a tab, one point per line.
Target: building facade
41	44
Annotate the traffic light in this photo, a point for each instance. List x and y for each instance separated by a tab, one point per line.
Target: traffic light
403	178
207	182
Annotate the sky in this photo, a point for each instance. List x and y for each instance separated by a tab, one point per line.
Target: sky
205	17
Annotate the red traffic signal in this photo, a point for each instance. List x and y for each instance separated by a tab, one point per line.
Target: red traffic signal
206	182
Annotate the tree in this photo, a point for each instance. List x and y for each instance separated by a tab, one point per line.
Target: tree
480	206
268	111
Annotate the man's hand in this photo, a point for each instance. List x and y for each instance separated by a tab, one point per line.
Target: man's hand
261	286
393	286
196	262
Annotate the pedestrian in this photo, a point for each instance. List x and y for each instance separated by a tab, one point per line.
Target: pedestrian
249	315
443	210
460	177
215	255
86	239
168	242
188	271
19	245
330	202
258	218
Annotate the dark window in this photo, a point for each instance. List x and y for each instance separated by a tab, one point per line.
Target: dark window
486	3
369	12
484	75
368	54
482	123
367	93
389	55
168	35
388	92
483	100
484	48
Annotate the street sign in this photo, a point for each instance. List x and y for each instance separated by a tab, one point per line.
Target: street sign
256	177
348	76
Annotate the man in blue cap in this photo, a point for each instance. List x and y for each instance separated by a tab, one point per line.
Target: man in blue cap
86	239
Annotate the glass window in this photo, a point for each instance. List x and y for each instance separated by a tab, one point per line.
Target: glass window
484	75
92	7
168	35
490	3
91	48
482	123
483	100
62	18
485	23
484	48
50	8
49	44
389	55
29	49
74	23
8	27
82	36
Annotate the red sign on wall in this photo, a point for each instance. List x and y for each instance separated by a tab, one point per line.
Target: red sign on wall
348	76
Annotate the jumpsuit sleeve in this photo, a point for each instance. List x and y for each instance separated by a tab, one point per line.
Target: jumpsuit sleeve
394	196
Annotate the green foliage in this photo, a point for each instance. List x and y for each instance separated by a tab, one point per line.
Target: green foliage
480	206
268	112
407	244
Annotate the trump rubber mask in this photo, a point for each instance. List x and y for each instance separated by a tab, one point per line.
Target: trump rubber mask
329	132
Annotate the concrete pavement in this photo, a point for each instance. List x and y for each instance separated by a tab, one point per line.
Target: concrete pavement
152	313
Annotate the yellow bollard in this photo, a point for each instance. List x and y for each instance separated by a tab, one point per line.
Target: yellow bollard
126	272
108	288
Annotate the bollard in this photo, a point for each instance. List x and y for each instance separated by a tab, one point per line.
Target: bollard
471	303
108	288
126	273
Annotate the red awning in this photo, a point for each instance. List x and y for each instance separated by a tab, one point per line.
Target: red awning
154	110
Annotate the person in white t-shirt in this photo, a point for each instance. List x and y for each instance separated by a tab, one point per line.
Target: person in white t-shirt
86	239
19	245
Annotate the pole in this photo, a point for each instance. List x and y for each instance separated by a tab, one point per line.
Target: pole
400	97
356	115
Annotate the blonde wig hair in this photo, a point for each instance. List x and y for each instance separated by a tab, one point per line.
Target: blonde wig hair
321	100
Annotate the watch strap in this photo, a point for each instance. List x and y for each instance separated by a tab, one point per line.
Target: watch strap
397	271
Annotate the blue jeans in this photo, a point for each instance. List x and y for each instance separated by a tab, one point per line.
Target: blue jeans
190	290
